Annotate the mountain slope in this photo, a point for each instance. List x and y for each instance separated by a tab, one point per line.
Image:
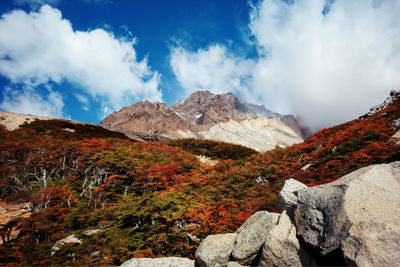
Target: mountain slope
125	199
12	121
204	115
204	109
145	116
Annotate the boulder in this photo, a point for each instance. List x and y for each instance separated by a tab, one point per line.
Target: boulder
157	262
282	248
396	123
305	167
234	264
359	213
60	243
215	250
397	136
252	235
287	198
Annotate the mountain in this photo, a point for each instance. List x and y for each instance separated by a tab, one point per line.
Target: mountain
205	109
203	115
96	197
12	121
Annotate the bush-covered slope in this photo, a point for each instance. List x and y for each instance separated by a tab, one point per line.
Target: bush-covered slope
157	199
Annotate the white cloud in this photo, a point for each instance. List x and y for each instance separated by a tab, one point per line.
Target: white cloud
41	47
326	69
28	101
35	4
84	101
213	69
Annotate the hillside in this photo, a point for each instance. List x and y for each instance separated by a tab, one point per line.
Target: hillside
204	115
12	121
115	198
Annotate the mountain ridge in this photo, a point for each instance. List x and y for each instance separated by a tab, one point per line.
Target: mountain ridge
204	112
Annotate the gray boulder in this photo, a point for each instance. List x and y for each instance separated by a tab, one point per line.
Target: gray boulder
215	250
305	167
359	213
60	243
252	235
397	135
157	262
396	123
282	248
234	264
287	198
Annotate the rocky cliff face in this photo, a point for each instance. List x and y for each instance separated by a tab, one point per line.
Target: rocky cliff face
202	115
205	109
149	117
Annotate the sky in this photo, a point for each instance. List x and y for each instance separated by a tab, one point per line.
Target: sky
326	61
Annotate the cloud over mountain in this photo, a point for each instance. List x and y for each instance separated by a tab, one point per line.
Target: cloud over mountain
325	61
328	67
213	68
42	48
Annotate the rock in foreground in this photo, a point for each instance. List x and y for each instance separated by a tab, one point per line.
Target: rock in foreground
287	198
359	213
252	235
163	262
215	250
282	248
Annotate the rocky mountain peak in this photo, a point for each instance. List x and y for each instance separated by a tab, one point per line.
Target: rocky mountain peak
205	108
212	116
155	118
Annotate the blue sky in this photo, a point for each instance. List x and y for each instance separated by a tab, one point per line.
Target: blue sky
324	61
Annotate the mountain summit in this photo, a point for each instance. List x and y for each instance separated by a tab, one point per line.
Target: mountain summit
205	109
204	115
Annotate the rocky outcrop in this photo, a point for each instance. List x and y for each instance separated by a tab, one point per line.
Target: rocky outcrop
396	137
265	239
394	95
205	115
164	262
358	213
290	121
353	221
282	248
215	250
60	243
261	134
287	198
252	235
